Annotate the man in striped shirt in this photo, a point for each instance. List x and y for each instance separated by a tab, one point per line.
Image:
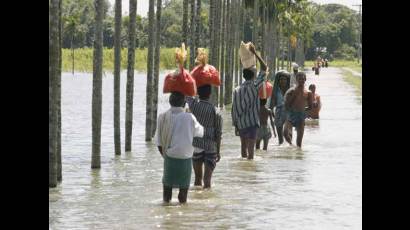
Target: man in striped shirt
206	149
245	106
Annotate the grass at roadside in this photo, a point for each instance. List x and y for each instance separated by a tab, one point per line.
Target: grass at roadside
355	81
83	59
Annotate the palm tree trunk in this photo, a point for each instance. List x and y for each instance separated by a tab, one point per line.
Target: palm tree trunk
231	45
52	92
241	35
277	44
198	24
283	51
214	9
219	31
263	20
97	85
235	41
275	49
298	53
156	67
130	75
289	54
60	42
117	77
255	24
228	80
185	25
150	67
222	69
192	40
211	19
271	44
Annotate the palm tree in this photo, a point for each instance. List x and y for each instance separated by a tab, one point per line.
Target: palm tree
231	43
185	24
234	42
60	42
211	19
130	75
216	11
191	33
156	67
222	69
52	91
97	85
198	29
117	77
241	33
263	21
255	23
150	68
228	77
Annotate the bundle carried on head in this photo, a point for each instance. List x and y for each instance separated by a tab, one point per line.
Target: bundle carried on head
180	55
203	73
248	59
180	80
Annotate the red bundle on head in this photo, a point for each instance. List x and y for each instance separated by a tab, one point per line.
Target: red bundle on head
206	75
269	89
180	81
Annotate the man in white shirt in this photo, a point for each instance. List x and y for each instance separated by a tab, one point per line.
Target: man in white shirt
175	132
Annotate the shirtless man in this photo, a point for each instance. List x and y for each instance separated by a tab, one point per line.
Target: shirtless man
316	103
296	100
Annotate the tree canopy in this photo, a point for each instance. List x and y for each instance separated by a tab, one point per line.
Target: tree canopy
331	26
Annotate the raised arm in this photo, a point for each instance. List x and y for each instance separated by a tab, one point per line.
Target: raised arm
261	61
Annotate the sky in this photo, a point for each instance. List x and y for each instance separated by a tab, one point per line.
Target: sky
142	5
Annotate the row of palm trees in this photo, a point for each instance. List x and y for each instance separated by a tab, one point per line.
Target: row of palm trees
274	23
55	30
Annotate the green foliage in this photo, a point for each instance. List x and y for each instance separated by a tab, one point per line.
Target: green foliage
79	25
345	52
336	28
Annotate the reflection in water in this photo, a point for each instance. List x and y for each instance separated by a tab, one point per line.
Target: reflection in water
317	187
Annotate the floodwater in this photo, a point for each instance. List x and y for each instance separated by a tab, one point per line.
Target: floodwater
318	187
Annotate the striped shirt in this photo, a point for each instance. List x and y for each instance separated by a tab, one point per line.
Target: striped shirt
211	120
245	103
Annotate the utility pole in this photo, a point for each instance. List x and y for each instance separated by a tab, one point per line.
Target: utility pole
359	49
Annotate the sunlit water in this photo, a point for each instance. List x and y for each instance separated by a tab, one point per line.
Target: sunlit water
318	187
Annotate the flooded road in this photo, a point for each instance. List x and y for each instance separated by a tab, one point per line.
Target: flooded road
318	187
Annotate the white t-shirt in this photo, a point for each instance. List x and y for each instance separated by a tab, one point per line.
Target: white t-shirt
185	128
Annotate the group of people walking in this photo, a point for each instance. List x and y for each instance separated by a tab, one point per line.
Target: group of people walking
191	138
